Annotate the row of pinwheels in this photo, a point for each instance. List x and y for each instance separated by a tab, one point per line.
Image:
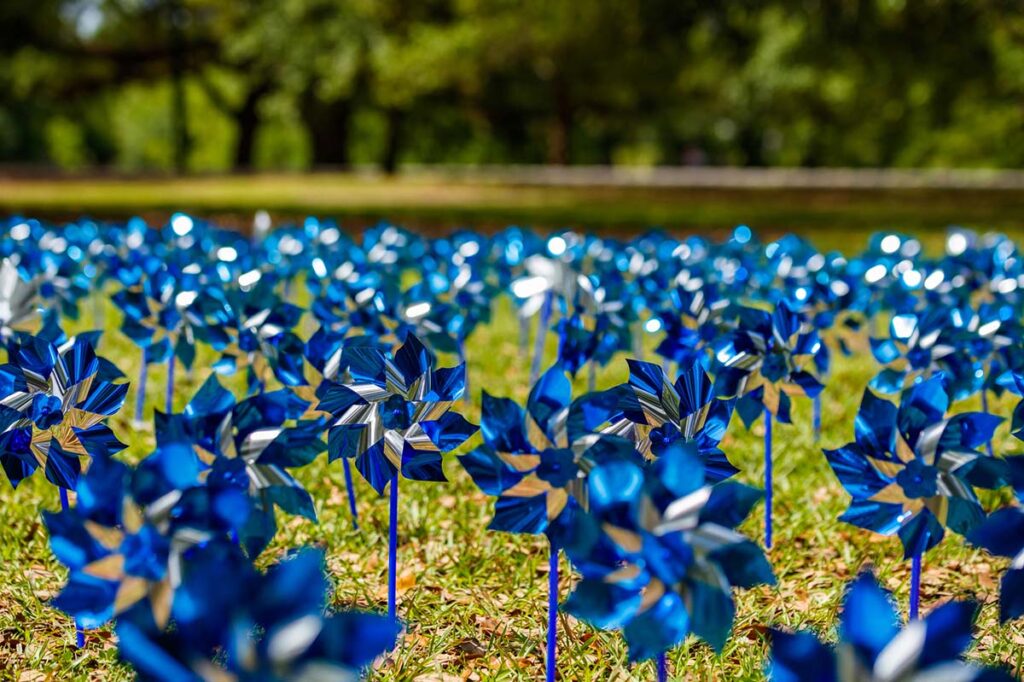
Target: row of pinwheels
629	482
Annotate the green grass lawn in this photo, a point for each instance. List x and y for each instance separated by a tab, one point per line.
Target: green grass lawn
833	217
474	602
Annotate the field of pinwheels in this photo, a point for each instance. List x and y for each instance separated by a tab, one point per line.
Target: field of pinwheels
305	454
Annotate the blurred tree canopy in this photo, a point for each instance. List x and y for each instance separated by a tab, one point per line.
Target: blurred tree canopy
209	85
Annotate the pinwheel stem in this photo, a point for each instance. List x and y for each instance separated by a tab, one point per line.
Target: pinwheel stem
65	504
915	585
524	335
817	418
542	332
638	341
662	668
98	310
984	408
140	391
768	479
466	395
393	546
552	611
350	488
169	407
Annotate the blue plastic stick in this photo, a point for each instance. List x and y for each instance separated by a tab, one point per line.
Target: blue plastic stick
542	331
170	384
140	390
552	612
817	418
984	408
767	479
915	585
393	546
351	489
65	505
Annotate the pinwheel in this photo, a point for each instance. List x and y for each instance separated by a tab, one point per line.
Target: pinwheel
911	471
18	301
311	368
395	418
663	556
921	344
594	331
256	440
873	648
166	317
761	362
1002	534
655	414
534	461
549	280
690	321
259	322
232	622
53	410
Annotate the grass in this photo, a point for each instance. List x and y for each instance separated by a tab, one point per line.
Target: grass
832	216
474	601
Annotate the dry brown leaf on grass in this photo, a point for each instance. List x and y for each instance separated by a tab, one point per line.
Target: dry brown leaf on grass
32	676
470	649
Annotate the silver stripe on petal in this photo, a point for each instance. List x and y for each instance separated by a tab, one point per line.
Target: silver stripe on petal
684	513
900	656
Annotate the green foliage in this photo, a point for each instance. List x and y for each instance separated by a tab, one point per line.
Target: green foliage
862	83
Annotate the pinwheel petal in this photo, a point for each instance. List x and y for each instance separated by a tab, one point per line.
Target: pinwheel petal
869	619
800	657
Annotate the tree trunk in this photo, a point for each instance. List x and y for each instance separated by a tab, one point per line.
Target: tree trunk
247	119
560	132
328	124
392	141
179	104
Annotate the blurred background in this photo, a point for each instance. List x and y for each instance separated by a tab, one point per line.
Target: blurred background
177	87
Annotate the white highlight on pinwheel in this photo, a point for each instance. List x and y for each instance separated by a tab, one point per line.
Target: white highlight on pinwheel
890	244
181	224
556	246
529	286
875	273
248	280
956	244
228	254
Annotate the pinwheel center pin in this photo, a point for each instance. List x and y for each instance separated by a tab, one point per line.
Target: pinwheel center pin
46	411
918	479
396	413
557	467
663	436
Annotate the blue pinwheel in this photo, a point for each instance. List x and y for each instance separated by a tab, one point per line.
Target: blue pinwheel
655	414
396	414
1002	534
118	552
873	648
764	360
535	461
252	444
167	316
395	417
54	406
911	471
19	301
229	620
662	556
767	357
920	345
